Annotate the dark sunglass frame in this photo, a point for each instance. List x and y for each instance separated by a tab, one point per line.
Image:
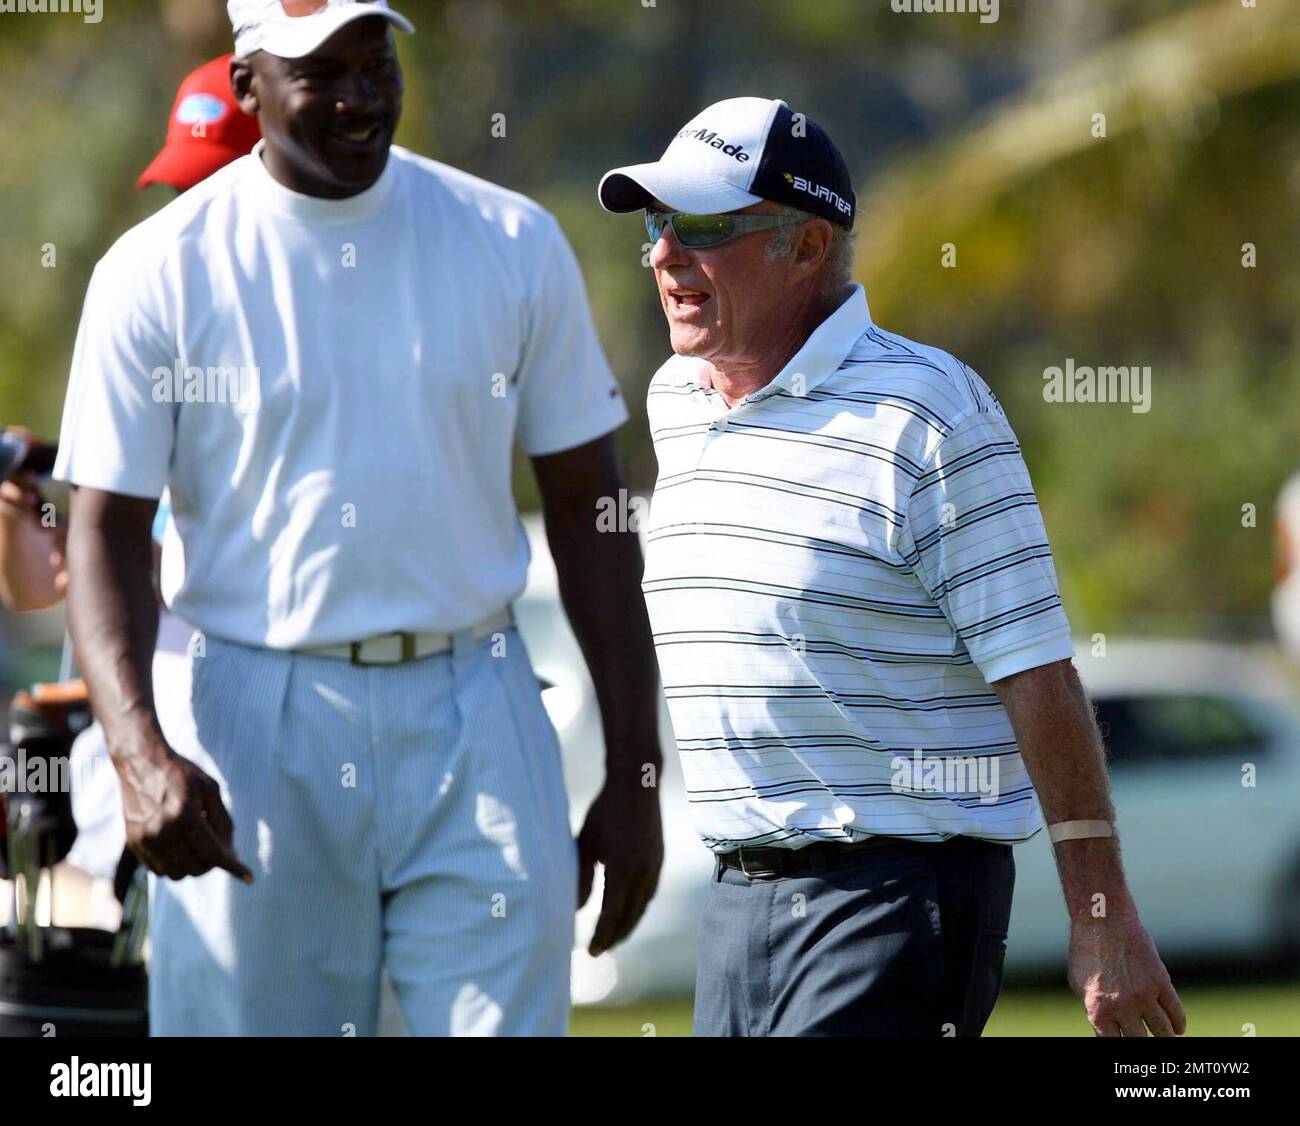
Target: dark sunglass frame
726	226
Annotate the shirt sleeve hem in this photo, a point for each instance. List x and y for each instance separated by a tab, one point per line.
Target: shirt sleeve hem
578	435
1044	652
111	480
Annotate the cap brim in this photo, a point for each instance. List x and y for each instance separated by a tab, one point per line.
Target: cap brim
183	167
293	40
683	189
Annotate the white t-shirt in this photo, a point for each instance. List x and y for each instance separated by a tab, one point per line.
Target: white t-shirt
353	476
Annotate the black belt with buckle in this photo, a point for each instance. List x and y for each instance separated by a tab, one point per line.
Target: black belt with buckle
767	862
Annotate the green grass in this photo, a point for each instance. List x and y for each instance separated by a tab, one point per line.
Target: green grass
1218	1010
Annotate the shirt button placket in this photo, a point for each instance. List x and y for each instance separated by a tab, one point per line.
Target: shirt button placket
716	427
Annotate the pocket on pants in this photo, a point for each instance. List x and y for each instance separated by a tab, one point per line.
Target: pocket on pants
986	981
537	757
865	954
210	702
537	735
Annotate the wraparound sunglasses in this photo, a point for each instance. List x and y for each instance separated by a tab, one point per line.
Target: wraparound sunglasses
698	231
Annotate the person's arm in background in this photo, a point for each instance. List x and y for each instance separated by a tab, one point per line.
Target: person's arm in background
600	587
1113	964
32	574
175	820
569	408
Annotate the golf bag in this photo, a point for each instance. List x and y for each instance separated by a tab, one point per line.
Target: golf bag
59	980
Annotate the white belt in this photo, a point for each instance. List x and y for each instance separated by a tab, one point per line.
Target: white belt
397	648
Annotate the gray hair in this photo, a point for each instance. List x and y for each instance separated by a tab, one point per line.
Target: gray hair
837	270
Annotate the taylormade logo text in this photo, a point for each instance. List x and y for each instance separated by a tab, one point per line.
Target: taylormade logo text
710	138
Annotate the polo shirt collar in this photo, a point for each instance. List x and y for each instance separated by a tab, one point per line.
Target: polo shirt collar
824	351
821	355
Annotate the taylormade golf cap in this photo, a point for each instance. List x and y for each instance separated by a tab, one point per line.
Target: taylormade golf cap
293	28
207	130
736	153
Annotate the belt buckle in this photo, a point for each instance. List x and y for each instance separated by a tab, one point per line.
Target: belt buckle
407	641
755	873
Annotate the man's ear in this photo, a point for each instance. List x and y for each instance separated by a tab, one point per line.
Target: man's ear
241	82
814	244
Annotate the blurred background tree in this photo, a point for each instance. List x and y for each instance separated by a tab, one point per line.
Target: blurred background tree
1111	250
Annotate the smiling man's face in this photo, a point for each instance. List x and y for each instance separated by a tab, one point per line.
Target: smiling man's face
329	117
723	303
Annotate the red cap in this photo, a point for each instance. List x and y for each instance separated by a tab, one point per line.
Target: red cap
206	132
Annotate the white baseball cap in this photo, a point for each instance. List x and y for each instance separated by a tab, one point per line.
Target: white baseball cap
736	153
294	28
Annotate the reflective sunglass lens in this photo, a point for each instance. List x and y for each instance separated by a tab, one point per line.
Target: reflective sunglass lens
703	230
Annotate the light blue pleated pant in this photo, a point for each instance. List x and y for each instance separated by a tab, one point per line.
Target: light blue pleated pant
410	817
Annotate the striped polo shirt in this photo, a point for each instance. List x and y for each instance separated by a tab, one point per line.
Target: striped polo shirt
837	568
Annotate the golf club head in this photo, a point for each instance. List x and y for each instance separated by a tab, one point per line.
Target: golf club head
27	824
43	724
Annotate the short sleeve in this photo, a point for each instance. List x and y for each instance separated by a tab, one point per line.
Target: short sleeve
975	539
119	418
568	395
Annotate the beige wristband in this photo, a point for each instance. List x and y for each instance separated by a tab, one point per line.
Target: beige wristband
1079	830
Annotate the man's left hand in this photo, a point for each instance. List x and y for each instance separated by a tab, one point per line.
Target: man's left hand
624	833
1119	977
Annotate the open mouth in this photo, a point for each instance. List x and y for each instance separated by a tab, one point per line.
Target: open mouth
681	300
359	136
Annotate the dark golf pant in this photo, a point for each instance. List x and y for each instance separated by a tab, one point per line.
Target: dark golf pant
904	939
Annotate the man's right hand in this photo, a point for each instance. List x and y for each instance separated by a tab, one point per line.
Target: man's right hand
175	820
